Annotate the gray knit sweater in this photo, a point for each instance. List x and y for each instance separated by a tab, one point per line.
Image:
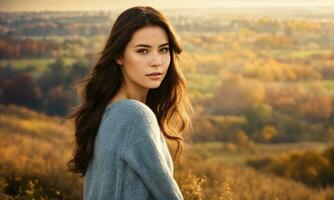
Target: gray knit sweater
131	160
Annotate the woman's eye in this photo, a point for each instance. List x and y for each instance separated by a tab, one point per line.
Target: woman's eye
164	50
142	51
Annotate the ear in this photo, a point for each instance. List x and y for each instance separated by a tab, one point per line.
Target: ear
119	61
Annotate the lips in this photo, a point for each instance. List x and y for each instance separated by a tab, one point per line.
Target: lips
154	74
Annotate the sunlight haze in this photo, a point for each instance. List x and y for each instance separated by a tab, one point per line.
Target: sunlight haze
65	5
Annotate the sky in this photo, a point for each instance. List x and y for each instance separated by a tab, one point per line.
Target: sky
74	5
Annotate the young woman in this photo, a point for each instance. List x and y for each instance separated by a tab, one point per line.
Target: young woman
133	112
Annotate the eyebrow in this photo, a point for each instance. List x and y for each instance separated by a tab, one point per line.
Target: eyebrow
148	46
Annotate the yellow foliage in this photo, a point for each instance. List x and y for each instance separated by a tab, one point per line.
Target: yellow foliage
268	133
303	25
272	70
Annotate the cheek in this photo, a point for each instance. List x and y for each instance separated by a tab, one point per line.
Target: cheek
133	62
166	60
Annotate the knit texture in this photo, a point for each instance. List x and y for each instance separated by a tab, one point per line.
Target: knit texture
131	160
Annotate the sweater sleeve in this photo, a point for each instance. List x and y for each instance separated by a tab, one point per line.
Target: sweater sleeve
143	153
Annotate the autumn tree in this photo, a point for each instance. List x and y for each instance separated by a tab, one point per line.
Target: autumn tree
21	90
236	94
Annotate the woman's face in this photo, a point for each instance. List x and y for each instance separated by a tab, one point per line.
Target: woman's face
146	58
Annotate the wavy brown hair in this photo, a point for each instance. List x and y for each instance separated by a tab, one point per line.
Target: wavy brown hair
169	101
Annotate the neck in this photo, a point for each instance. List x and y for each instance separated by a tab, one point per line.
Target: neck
127	91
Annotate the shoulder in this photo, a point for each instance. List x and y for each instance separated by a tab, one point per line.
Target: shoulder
130	109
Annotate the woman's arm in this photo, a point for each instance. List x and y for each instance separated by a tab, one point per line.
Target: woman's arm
142	154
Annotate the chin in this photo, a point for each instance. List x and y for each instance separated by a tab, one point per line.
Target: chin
153	86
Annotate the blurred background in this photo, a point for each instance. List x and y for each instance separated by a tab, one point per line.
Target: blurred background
260	76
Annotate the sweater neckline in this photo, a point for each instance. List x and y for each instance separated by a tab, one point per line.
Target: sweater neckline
111	105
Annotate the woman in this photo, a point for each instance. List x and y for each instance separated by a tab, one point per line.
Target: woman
134	109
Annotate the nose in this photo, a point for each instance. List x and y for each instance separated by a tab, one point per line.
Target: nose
156	60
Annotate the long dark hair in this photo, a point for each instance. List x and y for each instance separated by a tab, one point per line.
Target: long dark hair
169	101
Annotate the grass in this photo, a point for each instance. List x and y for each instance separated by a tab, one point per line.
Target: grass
34	149
234	155
39	64
202	85
226	177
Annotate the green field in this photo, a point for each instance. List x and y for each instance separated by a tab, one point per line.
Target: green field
202	86
37	64
327	85
235	155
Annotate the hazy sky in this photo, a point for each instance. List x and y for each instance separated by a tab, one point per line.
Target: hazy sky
42	5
